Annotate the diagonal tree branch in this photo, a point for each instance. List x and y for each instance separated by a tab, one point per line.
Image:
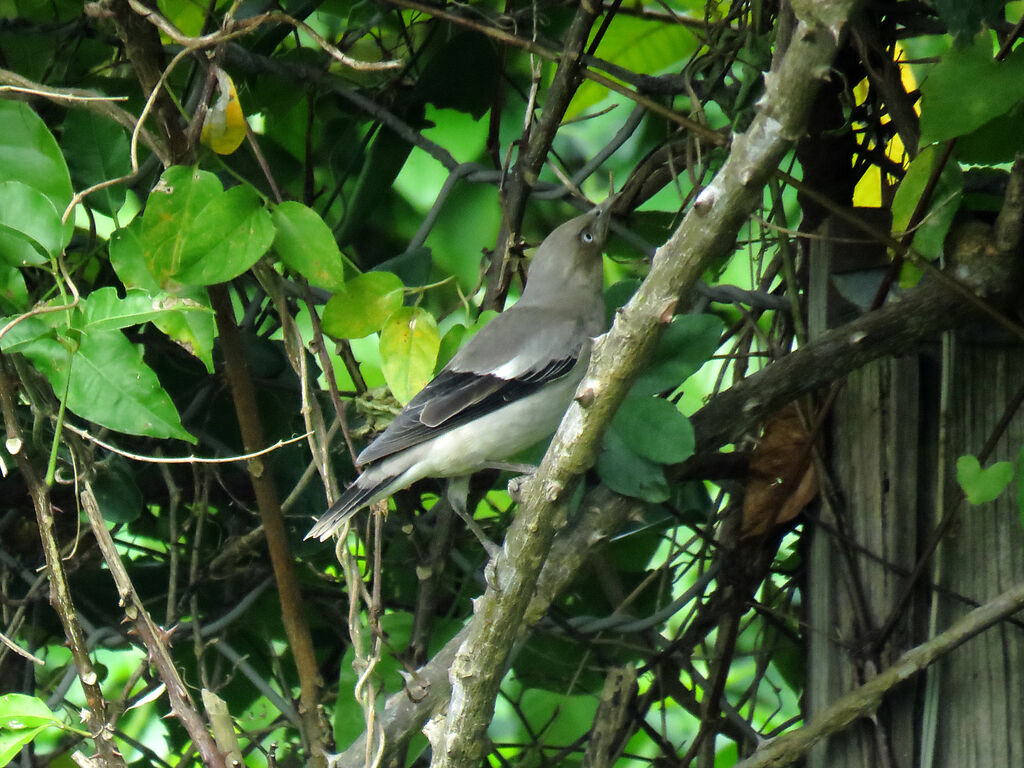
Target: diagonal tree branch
145	52
152	637
602	513
95	713
920	315
705	236
940	303
864	700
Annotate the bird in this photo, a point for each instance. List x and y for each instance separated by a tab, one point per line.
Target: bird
507	388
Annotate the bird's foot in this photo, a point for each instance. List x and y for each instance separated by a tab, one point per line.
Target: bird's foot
491	574
512	466
489	546
516	485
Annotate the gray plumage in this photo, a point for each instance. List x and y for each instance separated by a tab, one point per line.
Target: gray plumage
507	388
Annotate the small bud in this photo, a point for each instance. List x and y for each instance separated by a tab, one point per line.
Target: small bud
553	490
705	201
668	312
587	393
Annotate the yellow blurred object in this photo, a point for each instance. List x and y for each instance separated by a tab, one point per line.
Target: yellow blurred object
224	126
869	189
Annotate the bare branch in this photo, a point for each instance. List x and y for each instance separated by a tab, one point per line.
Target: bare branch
152	637
60	591
864	700
426	692
244	395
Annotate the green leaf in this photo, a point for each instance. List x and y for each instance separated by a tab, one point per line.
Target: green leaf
386	158
687	343
655	429
97	150
967	89
117	495
12	742
963	18
446	81
459	335
451	342
13	291
128	258
110	383
945	200
22	718
27	331
227	237
637	45
305	244
192	331
18	251
409	343
168	222
29	154
626	472
997	141
113	386
982	485
19	711
27	213
191	231
104	310
616	295
362	305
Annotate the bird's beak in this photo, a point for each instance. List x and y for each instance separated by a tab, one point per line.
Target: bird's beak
603	211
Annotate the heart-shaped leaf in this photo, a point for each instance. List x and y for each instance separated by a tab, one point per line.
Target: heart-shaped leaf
982	485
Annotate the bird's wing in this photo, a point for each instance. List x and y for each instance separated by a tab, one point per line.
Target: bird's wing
484	376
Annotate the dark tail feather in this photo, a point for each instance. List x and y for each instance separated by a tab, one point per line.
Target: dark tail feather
351	501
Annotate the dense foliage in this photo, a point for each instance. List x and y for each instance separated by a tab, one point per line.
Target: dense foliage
236	237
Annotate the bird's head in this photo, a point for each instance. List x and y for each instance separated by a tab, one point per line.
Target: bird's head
569	259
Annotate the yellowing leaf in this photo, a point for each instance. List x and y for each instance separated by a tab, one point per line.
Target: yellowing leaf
409	343
224	125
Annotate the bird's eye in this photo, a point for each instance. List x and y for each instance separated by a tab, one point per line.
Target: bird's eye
587	236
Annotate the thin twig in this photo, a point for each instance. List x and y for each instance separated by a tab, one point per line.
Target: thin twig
181	459
240	28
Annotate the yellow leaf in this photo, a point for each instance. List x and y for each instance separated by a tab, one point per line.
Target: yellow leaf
224	126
